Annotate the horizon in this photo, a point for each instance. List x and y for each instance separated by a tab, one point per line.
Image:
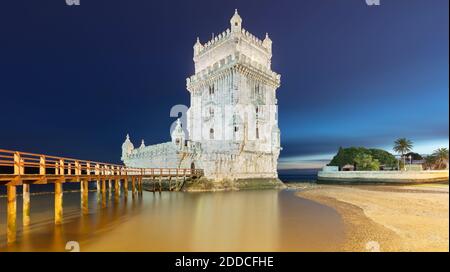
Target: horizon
77	80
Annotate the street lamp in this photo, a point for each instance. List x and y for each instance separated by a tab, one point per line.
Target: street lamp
410	159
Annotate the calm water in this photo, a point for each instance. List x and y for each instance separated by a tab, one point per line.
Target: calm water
265	220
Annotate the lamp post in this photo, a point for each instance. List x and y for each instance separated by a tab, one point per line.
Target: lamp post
410	159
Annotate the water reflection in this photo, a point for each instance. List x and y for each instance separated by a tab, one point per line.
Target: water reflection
266	220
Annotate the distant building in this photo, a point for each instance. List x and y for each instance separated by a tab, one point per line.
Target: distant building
348	167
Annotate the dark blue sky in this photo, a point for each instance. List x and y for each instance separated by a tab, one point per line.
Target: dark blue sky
75	80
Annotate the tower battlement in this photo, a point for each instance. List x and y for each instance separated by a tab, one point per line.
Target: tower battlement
238	62
229	42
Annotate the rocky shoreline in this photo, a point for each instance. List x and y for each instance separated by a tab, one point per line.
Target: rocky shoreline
204	185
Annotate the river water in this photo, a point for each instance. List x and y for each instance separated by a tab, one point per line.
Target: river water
258	220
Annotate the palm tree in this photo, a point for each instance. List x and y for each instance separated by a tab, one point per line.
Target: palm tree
430	162
403	146
441	157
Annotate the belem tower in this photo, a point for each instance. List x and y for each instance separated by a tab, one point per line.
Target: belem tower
231	129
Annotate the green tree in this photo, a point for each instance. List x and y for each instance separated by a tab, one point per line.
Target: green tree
430	162
403	146
348	155
365	162
414	156
441	158
384	158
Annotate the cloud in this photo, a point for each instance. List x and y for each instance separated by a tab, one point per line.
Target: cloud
302	164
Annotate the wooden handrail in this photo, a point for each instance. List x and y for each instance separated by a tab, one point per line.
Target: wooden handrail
75	167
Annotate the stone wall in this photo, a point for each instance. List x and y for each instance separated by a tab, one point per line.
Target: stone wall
383	176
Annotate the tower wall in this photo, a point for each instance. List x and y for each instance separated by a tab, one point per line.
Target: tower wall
233	111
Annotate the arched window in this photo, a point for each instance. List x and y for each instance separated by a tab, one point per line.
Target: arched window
211	89
257	133
211	134
211	112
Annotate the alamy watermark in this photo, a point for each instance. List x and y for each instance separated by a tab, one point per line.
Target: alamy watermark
373	2
368	2
73	2
373	246
245	121
73	246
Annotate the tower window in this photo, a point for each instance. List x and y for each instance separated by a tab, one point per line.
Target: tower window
257	89
257	133
211	134
211	90
236	128
211	112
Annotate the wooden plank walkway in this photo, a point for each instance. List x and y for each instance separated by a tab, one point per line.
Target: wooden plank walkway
18	168
23	169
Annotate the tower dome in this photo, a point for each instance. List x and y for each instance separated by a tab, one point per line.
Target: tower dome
127	147
267	43
142	144
177	134
197	47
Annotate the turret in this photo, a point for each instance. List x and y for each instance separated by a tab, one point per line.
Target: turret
142	144
178	135
127	147
267	43
197	47
236	22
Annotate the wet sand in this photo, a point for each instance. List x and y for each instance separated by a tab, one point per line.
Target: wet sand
397	218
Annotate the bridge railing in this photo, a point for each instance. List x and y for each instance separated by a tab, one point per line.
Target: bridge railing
24	163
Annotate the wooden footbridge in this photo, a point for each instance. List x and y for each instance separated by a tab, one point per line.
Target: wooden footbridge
23	169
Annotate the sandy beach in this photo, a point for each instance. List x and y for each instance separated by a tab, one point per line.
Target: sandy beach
389	218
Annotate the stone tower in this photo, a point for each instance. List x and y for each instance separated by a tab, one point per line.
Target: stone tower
233	101
232	123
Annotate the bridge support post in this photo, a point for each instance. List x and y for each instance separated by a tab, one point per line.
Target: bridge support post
179	183
103	186
110	186
117	186
160	184
140	185
26	204
58	202
125	186
98	186
12	213
103	193
133	185
85	196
